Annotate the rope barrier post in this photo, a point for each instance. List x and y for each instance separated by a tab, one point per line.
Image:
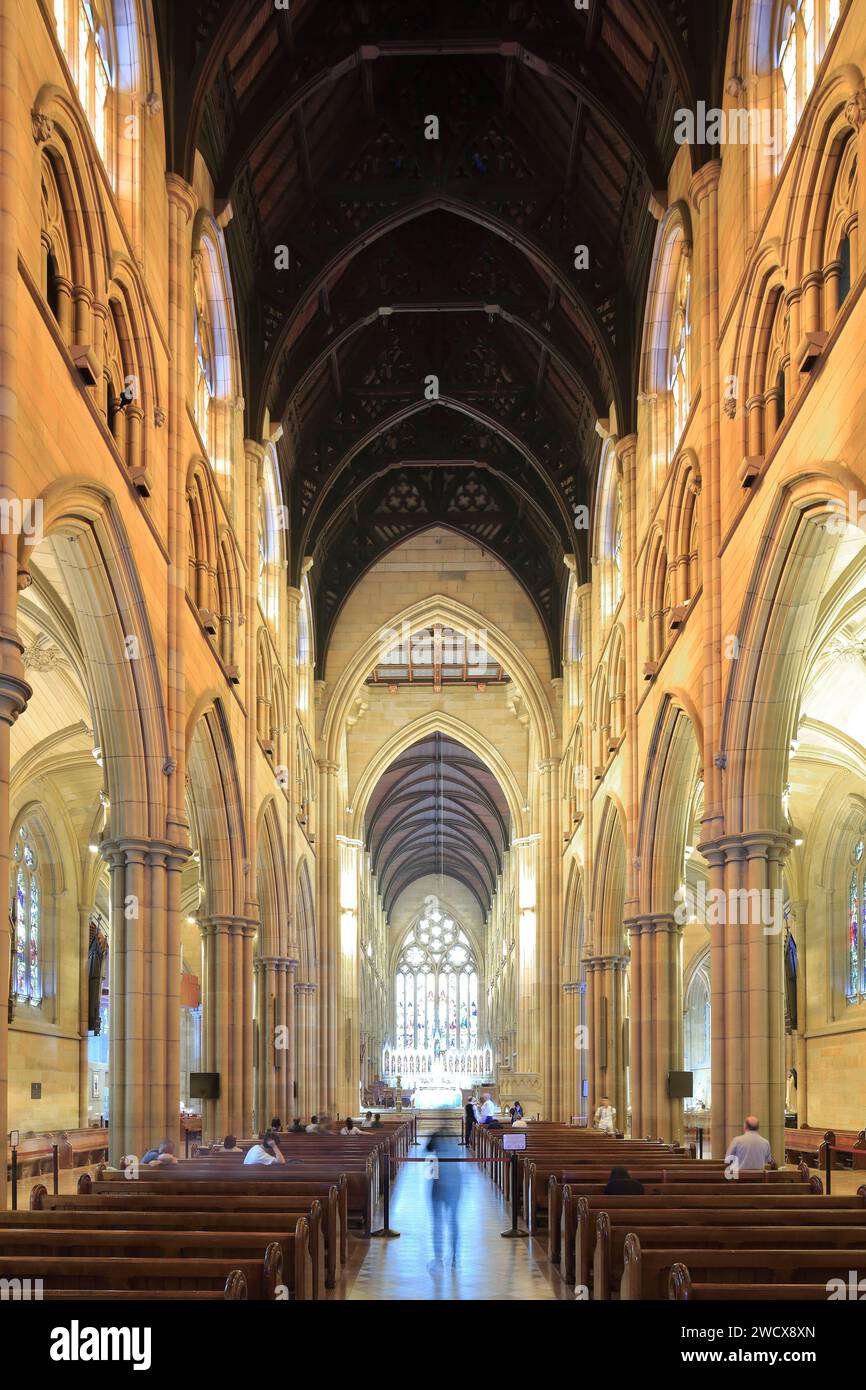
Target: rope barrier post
55	1167
513	1233
386	1233
700	1141
14	1177
415	1133
828	1167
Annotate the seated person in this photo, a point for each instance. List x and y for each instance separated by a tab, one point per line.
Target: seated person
229	1145
313	1126
377	1121
266	1151
165	1154
622	1184
350	1127
296	1126
276	1124
367	1122
519	1123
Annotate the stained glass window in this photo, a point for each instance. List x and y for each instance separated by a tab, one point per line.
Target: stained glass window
28	908
806	28
855	987
678	378
81	33
617	548
436	988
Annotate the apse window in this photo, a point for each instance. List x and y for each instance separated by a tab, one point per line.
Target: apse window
27	913
856	958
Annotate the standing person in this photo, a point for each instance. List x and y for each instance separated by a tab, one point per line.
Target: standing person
445	1183
604	1118
469	1114
750	1150
266	1151
488	1109
515	1111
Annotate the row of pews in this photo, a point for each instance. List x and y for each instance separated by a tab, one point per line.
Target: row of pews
206	1228
845	1148
694	1234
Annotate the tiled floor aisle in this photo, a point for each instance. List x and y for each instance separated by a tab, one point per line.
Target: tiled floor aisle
488	1267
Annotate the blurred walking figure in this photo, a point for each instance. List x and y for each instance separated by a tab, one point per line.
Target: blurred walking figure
445	1183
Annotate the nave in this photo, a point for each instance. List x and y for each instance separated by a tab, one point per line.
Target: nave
488	1267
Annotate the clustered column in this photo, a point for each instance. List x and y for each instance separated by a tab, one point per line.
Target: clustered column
655	947
275	1016
227	1044
605	999
305	1007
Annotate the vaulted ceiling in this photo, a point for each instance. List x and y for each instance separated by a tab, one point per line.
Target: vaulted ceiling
437	811
410	308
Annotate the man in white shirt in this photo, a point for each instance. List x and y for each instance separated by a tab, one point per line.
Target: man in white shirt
750	1150
488	1109
266	1151
604	1118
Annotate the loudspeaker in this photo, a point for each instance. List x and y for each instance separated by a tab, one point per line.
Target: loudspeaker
679	1085
204	1085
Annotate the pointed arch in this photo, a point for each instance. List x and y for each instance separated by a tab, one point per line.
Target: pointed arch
217	813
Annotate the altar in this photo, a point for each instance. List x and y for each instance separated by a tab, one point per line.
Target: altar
437	1098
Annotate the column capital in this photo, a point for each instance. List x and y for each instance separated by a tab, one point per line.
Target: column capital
305	987
14	692
625	446
327	767
705	182
181	194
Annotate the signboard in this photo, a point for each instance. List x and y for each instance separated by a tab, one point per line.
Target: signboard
514	1141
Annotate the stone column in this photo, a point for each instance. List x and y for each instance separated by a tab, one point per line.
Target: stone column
327	916
655	946
227	1023
704	190
305	1004
745	916
181	207
14	691
549	909
605	979
275	1016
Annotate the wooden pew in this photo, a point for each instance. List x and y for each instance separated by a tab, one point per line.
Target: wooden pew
211	1196
267	1226
93	1276
239	1213
609	1259
578	1229
646	1273
811	1145
682	1290
359	1191
231	1248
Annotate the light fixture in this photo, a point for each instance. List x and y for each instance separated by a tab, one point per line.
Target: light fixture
94	849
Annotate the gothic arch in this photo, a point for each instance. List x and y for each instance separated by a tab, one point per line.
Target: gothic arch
275	925
217	814
672	767
774	636
439	608
608	933
307	931
123	674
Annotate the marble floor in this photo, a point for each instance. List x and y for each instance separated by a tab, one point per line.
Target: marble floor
488	1268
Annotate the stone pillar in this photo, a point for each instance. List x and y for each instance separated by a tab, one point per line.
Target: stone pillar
655	947
327	913
181	207
605	980
227	1023
745	917
14	691
275	1017
305	1006
704	190
549	928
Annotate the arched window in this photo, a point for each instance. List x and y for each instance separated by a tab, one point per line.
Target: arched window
84	32
216	373
855	987
805	29
27	908
272	530
436	988
696	1031
609	534
678	369
304	653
